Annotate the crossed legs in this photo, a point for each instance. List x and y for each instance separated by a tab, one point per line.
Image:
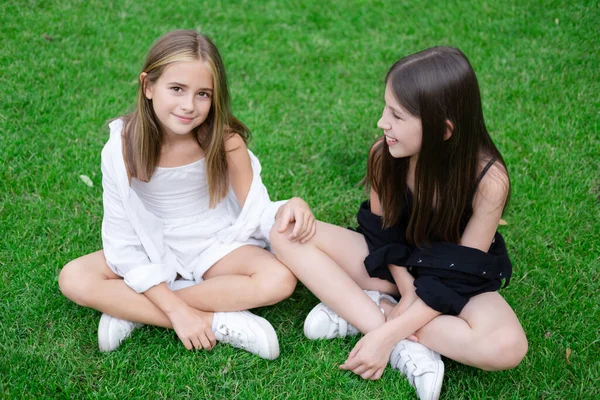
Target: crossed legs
248	277
486	335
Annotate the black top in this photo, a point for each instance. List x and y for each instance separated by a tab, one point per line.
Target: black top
446	274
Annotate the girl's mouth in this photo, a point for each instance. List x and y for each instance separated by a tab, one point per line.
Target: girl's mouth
183	119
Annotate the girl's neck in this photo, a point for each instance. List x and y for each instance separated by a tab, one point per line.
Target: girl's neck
410	174
172	140
178	150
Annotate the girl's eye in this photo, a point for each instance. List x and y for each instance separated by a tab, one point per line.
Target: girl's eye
396	116
203	94
177	89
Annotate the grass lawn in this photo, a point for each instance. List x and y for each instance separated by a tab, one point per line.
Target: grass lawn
307	78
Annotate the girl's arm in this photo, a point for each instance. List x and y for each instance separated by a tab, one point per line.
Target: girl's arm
404	280
241	177
239	166
488	205
124	252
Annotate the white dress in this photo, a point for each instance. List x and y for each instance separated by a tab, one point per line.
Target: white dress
172	231
179	197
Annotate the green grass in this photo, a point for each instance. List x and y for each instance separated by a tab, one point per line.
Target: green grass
307	78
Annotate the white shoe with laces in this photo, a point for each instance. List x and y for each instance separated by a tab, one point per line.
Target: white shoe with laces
112	331
323	323
422	366
244	330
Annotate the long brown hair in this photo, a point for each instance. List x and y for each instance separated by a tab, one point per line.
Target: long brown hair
435	85
142	133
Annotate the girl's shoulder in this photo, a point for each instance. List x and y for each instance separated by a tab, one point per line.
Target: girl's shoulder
234	141
493	184
114	145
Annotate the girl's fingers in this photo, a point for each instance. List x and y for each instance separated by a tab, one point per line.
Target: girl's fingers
285	220
204	342
196	344
378	374
354	351
351	363
187	343
361	369
308	221
311	234
211	337
297	227
305	228
368	374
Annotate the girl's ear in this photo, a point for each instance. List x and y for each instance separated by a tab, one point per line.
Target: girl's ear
145	86
449	129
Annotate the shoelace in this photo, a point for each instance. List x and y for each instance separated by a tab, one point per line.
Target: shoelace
233	337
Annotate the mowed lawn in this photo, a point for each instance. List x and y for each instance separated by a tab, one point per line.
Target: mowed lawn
307	78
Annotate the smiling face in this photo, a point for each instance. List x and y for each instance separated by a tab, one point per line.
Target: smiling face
403	131
181	96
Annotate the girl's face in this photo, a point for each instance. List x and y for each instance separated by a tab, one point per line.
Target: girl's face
181	96
403	131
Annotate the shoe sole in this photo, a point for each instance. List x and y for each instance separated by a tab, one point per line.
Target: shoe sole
438	383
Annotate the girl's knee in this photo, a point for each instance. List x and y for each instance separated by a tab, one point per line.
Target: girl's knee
278	239
80	279
505	350
71	282
278	285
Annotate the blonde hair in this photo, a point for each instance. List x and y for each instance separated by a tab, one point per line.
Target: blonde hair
142	133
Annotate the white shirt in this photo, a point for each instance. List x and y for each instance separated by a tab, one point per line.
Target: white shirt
132	236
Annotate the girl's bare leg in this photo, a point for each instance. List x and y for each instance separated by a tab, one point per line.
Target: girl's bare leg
486	334
331	266
248	277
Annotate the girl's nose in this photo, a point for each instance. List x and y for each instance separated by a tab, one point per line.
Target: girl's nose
381	124
187	104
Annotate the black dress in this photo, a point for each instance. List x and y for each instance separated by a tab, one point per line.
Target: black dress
446	275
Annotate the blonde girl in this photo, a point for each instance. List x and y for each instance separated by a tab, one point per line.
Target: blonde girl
186	216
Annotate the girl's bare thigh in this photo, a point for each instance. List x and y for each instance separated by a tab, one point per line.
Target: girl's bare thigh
90	266
347	249
246	260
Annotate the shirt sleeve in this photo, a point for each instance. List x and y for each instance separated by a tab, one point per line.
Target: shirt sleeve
123	249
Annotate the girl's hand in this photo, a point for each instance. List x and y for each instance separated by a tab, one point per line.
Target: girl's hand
370	355
296	210
405	301
192	328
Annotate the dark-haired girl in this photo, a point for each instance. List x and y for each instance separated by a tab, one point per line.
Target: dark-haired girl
428	234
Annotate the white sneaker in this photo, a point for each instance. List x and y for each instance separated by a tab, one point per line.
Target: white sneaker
323	323
112	331
247	331
422	366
